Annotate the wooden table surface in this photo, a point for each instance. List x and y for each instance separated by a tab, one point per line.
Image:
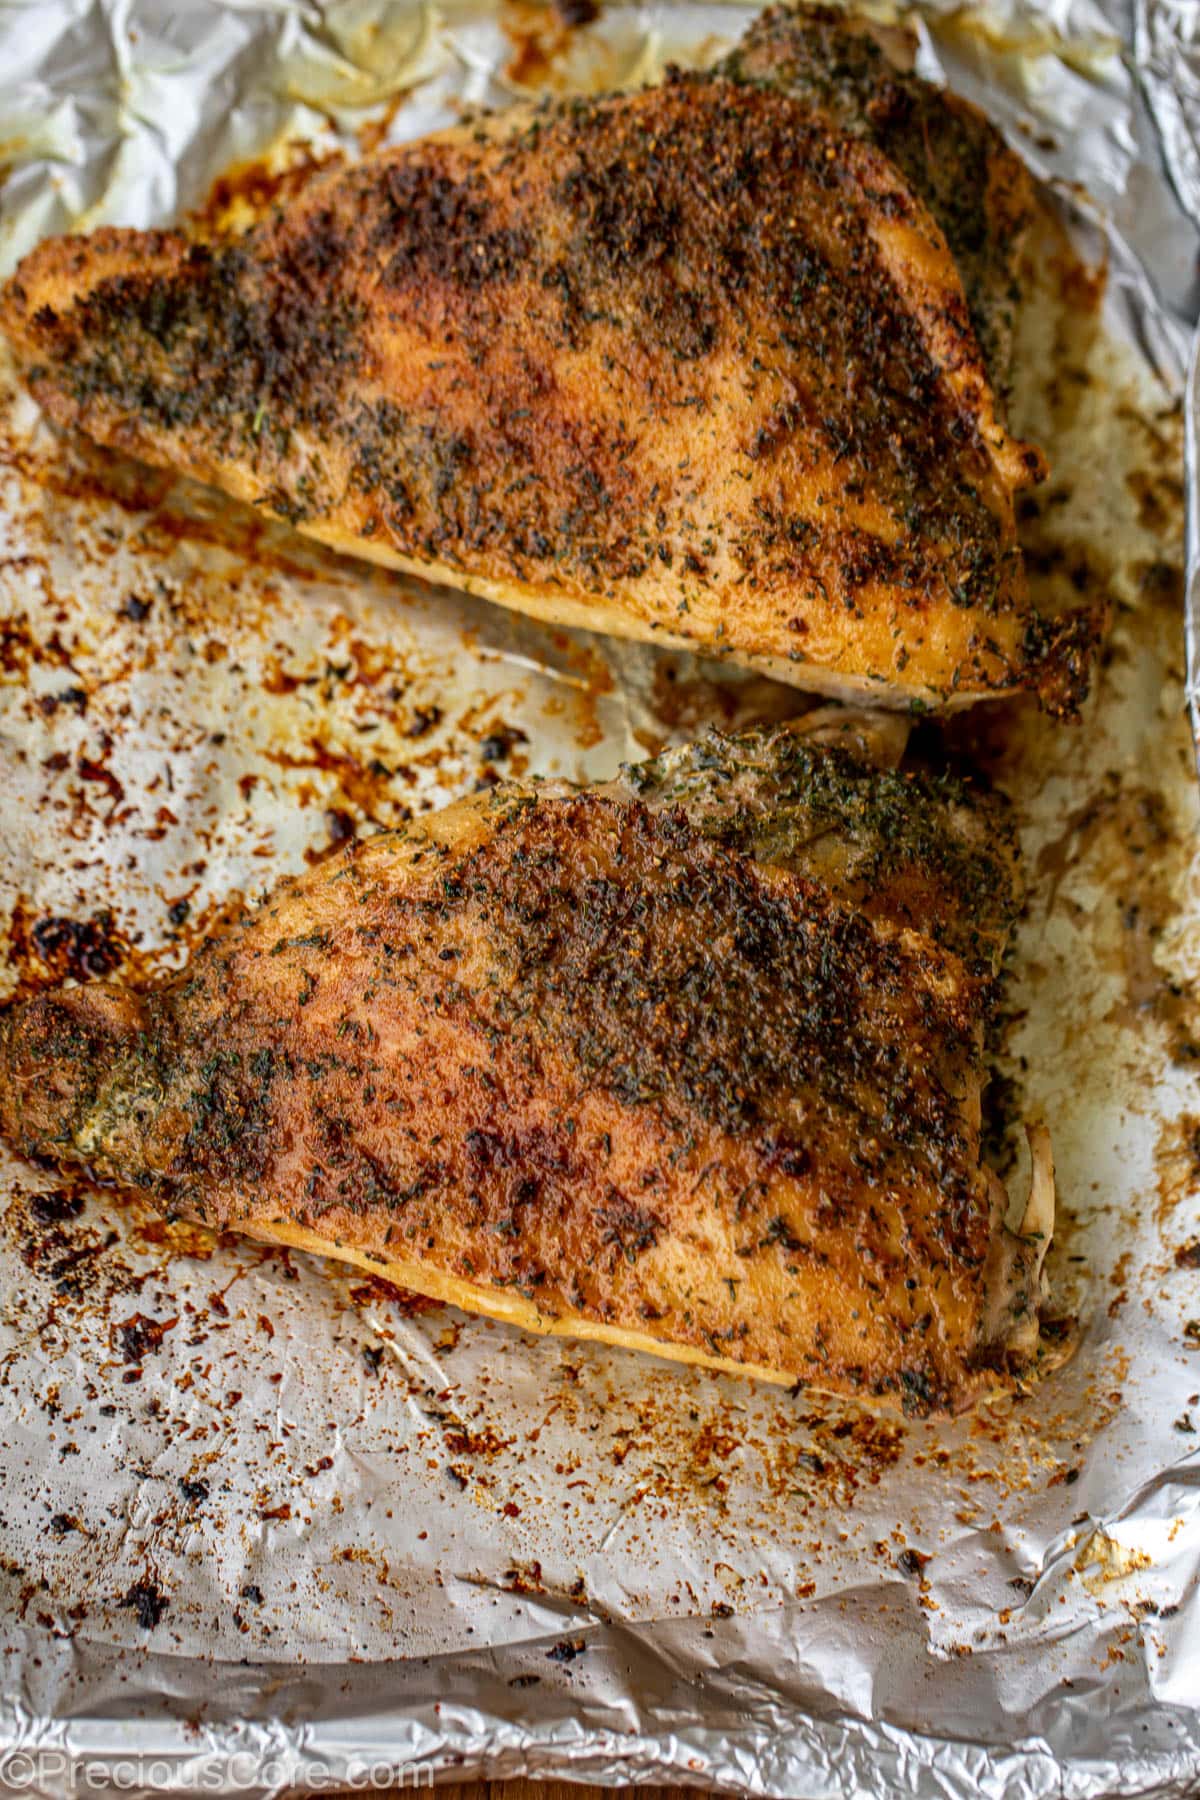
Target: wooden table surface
526	1790
559	1790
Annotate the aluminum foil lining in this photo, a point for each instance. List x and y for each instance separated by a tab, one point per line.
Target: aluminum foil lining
267	1526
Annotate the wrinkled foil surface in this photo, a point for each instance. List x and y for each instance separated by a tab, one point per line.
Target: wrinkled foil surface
267	1526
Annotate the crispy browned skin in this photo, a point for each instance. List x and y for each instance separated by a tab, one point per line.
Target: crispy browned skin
691	365
609	1063
857	75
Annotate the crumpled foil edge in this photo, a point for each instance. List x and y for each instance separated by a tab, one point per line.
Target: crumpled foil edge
1167	57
